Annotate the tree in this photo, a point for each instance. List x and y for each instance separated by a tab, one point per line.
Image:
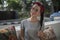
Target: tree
14	4
0	2
56	4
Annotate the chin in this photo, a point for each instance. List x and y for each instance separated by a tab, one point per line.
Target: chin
34	16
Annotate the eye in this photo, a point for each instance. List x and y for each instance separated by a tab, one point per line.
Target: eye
36	10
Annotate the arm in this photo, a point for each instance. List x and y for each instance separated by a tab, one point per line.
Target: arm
22	34
22	31
41	34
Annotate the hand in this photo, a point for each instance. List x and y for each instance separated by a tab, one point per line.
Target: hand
41	34
22	38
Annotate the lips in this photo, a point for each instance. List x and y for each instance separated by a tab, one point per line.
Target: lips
34	13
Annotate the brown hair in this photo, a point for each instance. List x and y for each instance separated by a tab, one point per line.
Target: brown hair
42	11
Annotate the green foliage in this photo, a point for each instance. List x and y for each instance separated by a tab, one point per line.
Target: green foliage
14	4
28	6
0	2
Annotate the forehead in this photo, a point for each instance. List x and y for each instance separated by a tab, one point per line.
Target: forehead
35	6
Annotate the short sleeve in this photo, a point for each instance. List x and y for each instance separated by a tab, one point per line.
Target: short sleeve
43	26
22	25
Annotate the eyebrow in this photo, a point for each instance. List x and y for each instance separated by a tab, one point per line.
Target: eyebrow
35	8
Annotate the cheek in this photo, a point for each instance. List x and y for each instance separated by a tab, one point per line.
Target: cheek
33	13
38	14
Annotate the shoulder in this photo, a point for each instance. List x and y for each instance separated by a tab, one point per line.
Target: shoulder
25	20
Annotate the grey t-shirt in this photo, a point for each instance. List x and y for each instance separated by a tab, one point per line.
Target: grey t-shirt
31	29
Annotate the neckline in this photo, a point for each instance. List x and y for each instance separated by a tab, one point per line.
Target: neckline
32	22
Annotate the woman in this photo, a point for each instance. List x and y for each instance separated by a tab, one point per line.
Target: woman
31	28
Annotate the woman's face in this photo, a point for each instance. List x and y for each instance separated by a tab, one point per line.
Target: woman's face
35	10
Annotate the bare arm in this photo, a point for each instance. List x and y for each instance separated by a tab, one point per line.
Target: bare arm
22	30
22	34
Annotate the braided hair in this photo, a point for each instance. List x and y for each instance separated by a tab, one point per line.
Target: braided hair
42	11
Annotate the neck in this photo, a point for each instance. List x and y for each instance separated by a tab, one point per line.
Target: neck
33	19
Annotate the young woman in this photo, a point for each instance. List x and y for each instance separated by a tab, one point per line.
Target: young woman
32	28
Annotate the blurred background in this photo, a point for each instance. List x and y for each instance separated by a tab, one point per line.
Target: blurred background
23	6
